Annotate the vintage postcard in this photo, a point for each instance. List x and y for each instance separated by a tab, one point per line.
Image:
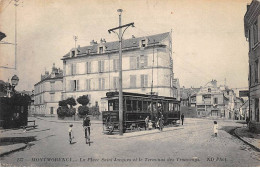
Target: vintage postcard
129	83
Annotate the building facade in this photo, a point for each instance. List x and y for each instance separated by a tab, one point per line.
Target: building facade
47	92
252	33
147	67
212	102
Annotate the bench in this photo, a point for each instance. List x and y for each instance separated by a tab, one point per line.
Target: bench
30	126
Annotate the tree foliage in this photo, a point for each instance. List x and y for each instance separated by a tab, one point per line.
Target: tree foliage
83	100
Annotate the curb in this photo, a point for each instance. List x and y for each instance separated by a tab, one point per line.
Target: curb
14	150
122	137
252	146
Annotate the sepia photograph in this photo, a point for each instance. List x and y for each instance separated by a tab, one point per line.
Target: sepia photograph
129	83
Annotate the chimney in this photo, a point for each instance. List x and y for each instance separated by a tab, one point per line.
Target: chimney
93	42
102	40
214	82
78	46
133	36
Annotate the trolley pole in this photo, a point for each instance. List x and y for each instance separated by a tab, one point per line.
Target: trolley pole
120	37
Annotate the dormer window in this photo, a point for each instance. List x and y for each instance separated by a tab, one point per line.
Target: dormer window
73	53
88	51
143	43
101	50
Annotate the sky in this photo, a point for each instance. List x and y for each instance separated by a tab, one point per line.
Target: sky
208	35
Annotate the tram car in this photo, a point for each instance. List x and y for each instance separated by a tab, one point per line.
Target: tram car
136	107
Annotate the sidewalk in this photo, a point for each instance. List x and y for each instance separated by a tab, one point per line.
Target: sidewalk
144	132
7	149
56	120
251	139
13	140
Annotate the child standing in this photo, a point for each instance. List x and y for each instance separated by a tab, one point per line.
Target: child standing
215	128
70	133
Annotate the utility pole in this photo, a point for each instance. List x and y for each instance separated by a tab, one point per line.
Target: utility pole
15	41
120	37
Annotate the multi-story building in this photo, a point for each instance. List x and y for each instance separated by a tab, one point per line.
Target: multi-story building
252	33
93	70
47	92
211	101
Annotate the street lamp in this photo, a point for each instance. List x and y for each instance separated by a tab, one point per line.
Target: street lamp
10	87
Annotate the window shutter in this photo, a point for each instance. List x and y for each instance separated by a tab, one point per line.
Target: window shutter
146	81
142	80
132	63
145	61
137	62
99	66
99	83
103	83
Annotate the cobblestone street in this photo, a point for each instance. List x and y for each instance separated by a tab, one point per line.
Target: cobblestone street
190	145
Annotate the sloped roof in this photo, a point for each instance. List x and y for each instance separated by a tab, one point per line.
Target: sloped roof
114	46
57	76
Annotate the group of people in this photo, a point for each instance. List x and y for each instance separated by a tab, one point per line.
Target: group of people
86	127
157	124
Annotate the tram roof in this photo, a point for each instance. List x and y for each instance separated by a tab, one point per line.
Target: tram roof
115	94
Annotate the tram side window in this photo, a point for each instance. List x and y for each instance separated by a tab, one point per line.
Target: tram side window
145	106
116	105
176	107
166	107
149	106
128	105
139	105
134	105
170	106
154	107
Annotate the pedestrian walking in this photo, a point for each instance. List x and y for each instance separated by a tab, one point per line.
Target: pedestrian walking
161	123
182	118
215	128
146	122
70	133
150	125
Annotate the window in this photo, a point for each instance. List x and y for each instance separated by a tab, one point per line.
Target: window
250	74
73	85
132	62
132	81
144	80
143	44
138	62
88	51
209	90
88	67
101	66
255	32
100	50
101	83
73	53
52	97
115	64
143	61
73	69
215	100
88	84
116	82
256	71
77	85
52	86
